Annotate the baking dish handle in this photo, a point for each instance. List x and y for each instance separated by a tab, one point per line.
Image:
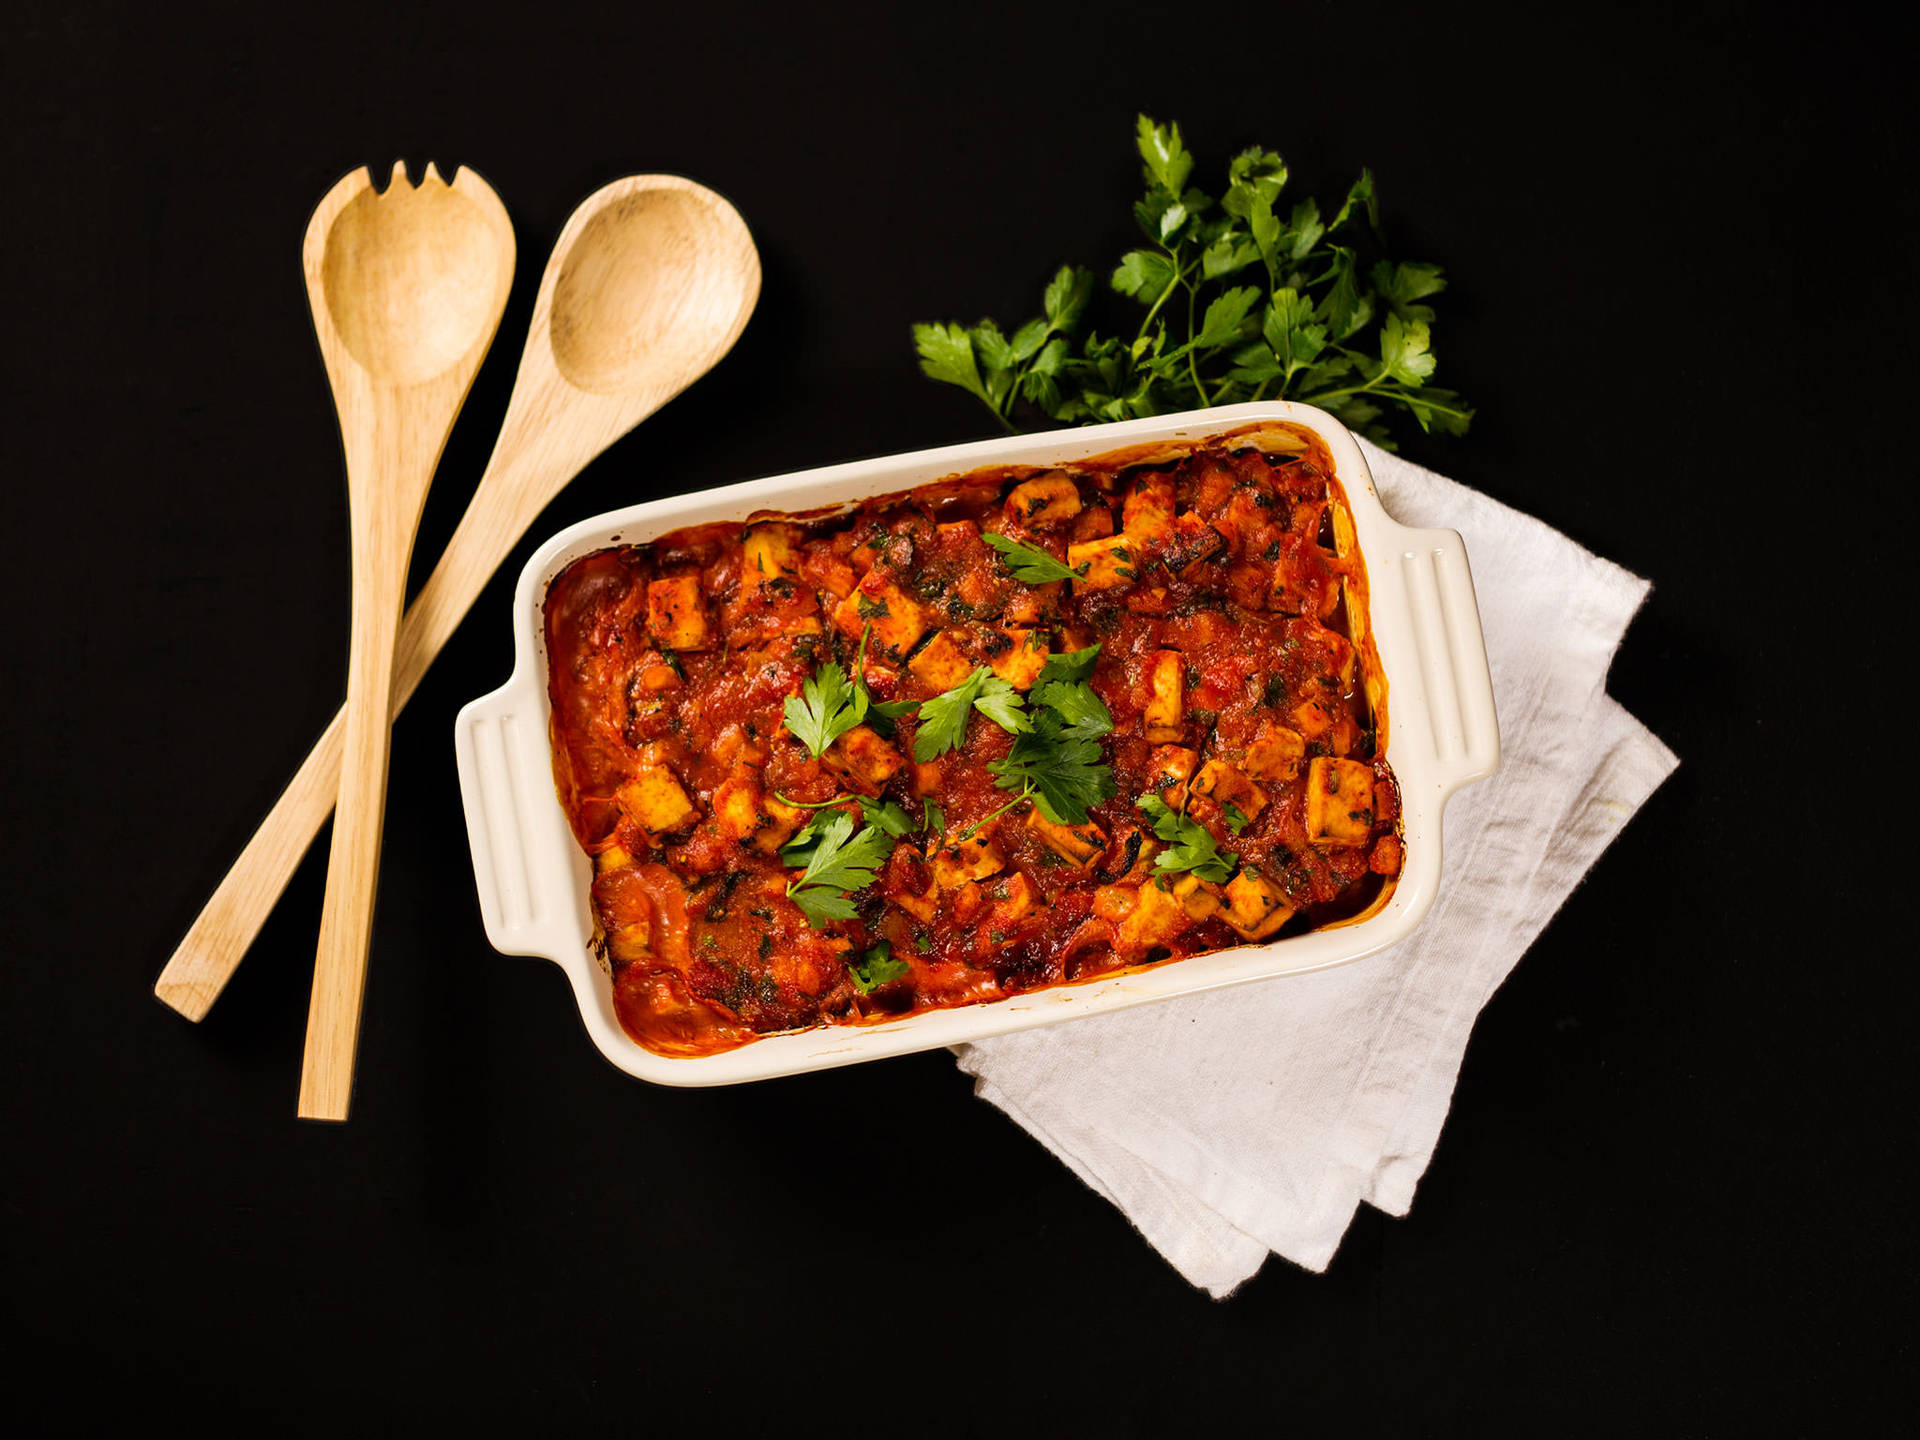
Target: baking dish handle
506	788
1457	680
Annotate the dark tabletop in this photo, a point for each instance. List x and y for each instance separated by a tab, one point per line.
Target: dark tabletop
1682	296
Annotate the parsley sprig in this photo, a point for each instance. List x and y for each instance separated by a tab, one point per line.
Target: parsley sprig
1031	565
876	968
886	814
1058	762
1190	845
943	717
1240	305
828	705
837	862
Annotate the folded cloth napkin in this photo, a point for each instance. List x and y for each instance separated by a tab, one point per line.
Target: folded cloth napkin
1253	1119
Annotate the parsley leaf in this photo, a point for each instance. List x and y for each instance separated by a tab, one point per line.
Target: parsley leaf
1002	704
876	968
1064	772
1190	844
1031	565
886	816
1325	304
1085	714
1236	817
935	819
827	706
943	718
1075	665
839	862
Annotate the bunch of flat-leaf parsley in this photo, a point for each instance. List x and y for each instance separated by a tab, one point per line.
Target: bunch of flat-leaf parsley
1240	303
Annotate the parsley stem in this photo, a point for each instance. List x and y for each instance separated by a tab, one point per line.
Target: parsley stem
1193	368
967	834
1178	275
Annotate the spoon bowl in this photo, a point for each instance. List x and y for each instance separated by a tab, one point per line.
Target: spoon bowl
410	277
637	275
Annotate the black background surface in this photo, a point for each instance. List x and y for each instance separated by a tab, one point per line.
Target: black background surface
1668	1196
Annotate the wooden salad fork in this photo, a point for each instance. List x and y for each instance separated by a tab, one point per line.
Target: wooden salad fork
407	288
650	283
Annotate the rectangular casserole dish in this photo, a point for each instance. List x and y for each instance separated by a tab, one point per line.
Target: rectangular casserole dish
533	879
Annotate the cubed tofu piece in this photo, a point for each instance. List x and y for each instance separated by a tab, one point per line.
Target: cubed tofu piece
1319	720
927	778
861	755
959	861
1166	700
743	811
782	820
1108	563
1196	897
1157	917
1312	719
1044	499
1022	660
1255	906
736	805
1078	844
897	619
676	616
1169	769
941	662
1194	542
1170	765
614	857
1339	801
630	943
768	552
656	801
1148	509
1276	755
1229	787
1030	604
1092	523
1012	899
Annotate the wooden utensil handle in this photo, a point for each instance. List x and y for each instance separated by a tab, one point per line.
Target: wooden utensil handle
353	862
221	934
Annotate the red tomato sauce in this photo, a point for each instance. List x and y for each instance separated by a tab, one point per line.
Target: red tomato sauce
1228	600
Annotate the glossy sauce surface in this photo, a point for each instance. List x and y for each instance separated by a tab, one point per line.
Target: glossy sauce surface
1228	600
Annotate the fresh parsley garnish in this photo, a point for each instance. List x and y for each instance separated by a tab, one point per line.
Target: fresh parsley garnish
1236	817
936	818
1031	565
943	718
1074	666
827	706
1318	323
876	968
1002	704
1084	713
883	813
1063	772
1190	844
838	862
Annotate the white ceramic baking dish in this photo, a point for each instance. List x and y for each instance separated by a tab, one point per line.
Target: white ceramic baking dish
533	879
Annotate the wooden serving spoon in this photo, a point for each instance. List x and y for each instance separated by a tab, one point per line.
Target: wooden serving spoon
649	285
407	288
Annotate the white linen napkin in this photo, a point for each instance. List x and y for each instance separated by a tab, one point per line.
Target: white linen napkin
1256	1119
